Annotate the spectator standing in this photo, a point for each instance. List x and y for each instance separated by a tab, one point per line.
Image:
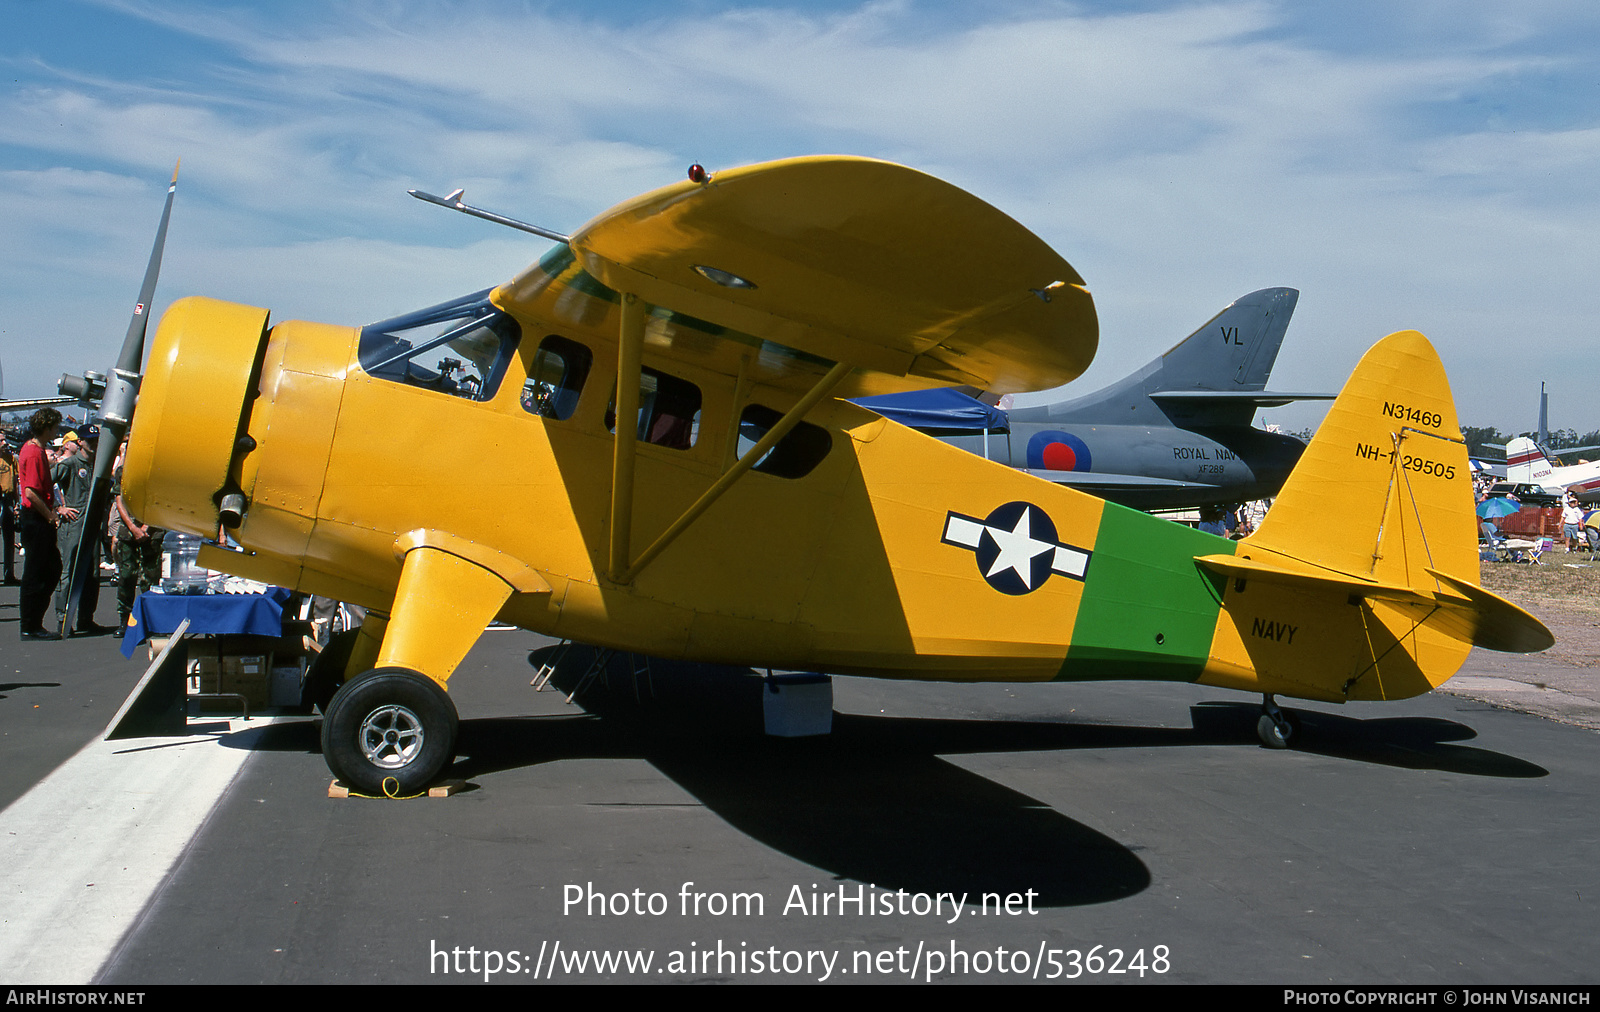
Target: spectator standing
138	550
1572	521
74	475
41	565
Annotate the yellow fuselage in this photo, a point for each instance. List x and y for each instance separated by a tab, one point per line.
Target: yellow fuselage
886	553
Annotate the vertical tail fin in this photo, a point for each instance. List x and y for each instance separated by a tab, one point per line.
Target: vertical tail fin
1544	416
1235	349
1526	464
1361	581
1232	353
1384	490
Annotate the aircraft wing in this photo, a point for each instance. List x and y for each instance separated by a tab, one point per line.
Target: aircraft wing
1571	452
35	402
1255	398
1090	480
857	261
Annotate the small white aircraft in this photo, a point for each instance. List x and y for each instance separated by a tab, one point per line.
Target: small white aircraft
1527	464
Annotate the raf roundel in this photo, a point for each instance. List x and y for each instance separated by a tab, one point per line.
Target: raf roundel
1055	450
1015	547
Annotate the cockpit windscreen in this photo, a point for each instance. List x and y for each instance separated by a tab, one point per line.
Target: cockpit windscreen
461	347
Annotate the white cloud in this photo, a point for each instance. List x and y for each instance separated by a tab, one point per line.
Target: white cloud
1178	157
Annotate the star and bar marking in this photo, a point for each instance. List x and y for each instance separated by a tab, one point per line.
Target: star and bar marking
1015	547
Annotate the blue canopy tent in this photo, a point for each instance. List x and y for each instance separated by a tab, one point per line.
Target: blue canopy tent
938	412
942	412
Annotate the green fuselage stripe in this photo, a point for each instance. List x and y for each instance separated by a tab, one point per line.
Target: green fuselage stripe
1148	611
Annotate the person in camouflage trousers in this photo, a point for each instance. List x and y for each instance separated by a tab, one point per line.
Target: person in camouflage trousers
138	552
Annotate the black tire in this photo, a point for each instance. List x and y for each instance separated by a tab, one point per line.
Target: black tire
327	670
389	731
1272	733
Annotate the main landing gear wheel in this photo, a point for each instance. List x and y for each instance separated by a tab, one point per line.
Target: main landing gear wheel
390	731
1274	727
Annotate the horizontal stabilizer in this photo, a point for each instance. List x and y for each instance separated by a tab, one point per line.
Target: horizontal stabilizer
1458	608
1244	568
1251	398
1503	625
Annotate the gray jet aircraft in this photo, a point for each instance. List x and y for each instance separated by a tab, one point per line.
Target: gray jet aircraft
1177	433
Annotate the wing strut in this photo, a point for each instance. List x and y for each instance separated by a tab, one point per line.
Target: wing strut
823	387
634	312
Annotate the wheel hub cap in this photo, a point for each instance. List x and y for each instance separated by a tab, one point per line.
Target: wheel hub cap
391	737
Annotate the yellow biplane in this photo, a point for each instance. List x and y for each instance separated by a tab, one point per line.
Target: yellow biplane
641	442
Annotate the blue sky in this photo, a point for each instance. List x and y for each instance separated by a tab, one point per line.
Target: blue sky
1424	165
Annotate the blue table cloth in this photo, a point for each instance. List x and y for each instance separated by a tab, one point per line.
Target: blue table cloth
157	614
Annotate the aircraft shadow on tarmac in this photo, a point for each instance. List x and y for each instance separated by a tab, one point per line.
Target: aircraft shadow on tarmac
875	801
1415	743
6	687
872	802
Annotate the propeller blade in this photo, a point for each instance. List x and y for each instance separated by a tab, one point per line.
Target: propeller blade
116	413
133	344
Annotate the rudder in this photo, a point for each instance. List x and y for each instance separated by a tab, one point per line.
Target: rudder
1384	490
1361	581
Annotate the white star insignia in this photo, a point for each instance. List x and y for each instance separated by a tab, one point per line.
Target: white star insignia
1018	549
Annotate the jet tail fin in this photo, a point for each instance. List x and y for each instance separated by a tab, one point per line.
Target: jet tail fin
1216	377
1233	350
1360	583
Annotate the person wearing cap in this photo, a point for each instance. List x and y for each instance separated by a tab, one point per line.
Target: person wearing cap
75	475
1572	521
57	451
41	563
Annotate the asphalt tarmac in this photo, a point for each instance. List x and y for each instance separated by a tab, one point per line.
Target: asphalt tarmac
1120	832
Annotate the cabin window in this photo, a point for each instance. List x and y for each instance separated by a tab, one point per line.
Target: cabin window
795	455
556	380
669	410
461	347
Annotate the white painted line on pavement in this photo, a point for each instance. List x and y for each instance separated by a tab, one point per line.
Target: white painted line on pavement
82	852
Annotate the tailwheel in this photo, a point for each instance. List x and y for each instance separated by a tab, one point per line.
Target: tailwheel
1274	727
390	731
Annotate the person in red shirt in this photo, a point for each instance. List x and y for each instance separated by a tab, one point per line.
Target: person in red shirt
41	566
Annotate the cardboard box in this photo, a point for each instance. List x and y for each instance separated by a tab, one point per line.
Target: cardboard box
249	676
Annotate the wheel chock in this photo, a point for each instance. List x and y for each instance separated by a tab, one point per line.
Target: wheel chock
442	789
